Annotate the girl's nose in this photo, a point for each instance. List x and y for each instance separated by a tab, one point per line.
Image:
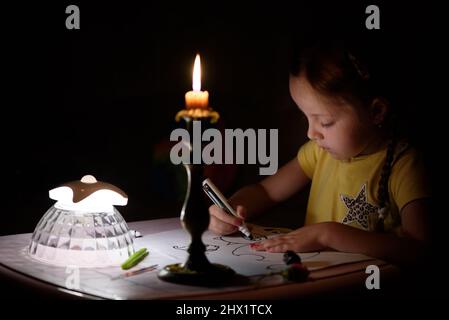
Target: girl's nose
314	134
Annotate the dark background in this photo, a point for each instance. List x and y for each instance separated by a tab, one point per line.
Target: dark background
101	100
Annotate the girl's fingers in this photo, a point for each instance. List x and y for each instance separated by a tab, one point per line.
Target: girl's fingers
219	227
224	217
221	222
241	211
279	248
278	244
257	246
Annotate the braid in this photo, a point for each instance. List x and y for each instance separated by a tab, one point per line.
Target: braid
382	192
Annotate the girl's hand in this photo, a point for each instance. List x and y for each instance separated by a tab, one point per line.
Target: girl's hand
306	239
224	223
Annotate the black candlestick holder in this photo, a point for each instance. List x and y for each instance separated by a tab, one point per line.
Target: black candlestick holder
197	269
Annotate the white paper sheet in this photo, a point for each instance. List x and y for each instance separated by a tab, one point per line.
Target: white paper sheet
233	251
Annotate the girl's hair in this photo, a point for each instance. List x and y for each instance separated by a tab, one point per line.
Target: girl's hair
382	190
337	71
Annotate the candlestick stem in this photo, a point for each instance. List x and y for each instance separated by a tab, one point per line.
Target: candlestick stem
197	270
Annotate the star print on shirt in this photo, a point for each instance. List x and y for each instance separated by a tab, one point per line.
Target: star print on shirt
359	208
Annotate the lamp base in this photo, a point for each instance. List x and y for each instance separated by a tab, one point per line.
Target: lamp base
215	275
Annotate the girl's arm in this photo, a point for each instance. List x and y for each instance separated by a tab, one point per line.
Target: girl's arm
259	197
333	235
400	250
253	199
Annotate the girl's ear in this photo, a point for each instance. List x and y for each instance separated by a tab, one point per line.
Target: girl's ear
379	109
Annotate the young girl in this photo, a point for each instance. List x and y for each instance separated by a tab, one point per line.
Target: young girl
368	190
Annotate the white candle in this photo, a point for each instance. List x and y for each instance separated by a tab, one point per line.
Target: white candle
197	98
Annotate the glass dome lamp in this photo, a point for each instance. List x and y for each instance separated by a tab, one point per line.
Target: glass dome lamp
83	228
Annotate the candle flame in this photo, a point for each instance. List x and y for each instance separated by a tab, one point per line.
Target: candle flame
197	74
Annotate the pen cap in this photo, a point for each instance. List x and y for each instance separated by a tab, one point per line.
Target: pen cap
215	194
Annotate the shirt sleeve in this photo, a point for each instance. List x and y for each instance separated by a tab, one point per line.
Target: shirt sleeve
409	179
307	157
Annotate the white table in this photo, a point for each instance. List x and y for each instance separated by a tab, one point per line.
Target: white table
96	283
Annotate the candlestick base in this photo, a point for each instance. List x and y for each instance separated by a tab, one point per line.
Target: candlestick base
214	275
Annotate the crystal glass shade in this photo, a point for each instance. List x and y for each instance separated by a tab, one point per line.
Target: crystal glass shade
80	238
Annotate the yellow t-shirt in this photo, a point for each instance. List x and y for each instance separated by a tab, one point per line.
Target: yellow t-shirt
346	191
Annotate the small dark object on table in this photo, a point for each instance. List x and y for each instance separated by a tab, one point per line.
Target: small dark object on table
291	257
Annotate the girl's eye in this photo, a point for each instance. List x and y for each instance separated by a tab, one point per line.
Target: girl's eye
326	125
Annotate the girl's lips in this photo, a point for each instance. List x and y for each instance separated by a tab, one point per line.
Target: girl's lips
327	149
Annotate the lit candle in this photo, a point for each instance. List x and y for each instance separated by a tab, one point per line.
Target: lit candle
197	98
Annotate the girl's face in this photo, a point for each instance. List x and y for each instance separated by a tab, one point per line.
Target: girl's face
341	129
